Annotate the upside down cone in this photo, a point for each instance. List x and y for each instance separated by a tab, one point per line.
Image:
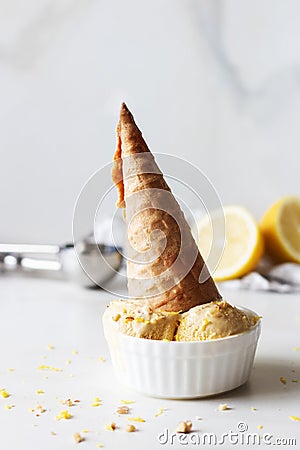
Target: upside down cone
164	264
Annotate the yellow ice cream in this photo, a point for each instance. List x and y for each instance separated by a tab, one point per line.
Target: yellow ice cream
211	321
136	318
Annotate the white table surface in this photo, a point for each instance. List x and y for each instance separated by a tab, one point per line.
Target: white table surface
35	313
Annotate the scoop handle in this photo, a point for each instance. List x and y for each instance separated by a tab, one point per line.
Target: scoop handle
29	257
20	249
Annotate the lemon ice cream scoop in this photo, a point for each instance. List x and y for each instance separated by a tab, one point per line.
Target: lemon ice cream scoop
211	321
136	318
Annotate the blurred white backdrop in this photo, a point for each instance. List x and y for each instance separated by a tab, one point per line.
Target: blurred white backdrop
215	82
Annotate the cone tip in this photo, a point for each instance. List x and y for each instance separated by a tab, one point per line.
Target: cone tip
124	107
125	115
124	112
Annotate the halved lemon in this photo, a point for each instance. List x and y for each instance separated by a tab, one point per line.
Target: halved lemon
281	230
230	242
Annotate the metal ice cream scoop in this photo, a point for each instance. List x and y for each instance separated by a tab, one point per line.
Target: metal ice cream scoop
93	265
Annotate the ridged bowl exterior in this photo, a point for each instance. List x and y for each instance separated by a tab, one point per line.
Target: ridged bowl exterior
184	369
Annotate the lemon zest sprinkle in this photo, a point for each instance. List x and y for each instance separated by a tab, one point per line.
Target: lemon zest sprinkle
127	402
295	418
159	412
96	402
45	367
136	419
4	393
63	415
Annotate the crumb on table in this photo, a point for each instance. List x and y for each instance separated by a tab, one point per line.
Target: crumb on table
78	438
296	418
96	402
111	426
223	407
184	427
123	409
136	419
4	393
63	415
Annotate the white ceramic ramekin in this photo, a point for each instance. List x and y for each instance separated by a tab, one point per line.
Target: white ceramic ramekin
184	369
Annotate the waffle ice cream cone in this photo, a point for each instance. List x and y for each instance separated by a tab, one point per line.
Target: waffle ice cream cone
164	266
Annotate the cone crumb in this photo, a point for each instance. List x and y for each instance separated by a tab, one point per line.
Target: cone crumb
68	402
223	407
78	438
40	409
130	428
123	410
282	380
184	427
111	426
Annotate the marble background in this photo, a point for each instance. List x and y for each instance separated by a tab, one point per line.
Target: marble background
215	82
